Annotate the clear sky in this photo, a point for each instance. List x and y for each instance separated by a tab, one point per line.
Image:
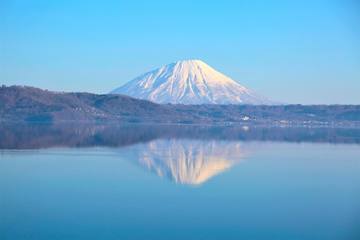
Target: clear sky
290	51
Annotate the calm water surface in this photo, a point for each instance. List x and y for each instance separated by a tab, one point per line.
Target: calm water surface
177	186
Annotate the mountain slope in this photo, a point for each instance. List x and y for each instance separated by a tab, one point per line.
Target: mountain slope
33	104
189	82
36	105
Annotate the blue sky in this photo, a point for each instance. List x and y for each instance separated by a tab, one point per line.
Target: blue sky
290	51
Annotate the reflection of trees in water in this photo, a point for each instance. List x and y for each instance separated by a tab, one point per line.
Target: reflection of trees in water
187	161
86	135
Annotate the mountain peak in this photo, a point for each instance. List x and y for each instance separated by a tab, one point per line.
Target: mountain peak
193	63
189	82
190	61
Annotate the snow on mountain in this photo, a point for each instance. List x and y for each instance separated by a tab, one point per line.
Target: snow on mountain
189	82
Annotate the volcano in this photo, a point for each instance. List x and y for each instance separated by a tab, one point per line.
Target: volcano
189	82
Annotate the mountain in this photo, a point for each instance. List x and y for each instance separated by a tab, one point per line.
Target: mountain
21	103
189	82
36	105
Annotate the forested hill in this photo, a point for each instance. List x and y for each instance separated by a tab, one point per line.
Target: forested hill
35	105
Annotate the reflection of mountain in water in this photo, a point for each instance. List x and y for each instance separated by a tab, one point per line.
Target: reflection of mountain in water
188	161
33	136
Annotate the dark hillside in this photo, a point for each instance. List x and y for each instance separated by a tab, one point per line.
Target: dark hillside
28	104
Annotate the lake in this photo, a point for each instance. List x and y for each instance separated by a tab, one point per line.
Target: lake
71	181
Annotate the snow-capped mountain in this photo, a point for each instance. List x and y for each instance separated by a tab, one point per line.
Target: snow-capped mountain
189	82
